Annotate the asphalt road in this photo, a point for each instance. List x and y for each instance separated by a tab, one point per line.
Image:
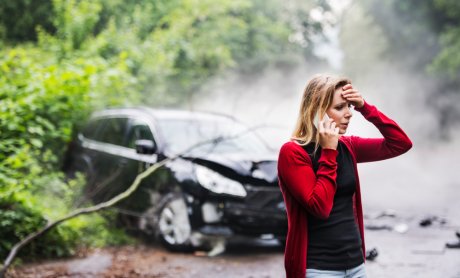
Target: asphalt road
414	251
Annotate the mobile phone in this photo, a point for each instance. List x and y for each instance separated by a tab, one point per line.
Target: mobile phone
316	119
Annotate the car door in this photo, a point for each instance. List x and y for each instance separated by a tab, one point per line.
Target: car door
138	129
108	158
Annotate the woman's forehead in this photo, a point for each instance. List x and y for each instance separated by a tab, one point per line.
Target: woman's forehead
338	96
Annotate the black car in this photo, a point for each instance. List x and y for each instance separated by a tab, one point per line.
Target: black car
223	188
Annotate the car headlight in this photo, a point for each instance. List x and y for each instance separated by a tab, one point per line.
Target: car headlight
217	183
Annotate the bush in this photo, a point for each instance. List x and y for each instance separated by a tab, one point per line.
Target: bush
17	221
42	100
26	212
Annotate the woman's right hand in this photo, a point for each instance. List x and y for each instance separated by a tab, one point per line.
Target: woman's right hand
328	134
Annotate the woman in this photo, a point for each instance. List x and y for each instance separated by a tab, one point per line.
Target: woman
319	180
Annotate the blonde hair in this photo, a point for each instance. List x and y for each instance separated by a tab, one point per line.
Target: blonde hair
316	99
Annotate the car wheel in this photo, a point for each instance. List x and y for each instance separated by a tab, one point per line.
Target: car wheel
173	226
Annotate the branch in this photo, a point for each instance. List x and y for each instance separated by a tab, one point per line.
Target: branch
81	211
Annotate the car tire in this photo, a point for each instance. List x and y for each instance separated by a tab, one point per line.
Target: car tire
173	224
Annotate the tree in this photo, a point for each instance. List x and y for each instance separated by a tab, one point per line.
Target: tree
423	36
19	19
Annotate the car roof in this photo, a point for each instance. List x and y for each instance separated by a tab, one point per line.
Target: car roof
162	113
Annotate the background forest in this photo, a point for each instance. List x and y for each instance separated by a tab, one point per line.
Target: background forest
62	59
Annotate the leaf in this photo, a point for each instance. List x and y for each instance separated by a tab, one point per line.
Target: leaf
36	142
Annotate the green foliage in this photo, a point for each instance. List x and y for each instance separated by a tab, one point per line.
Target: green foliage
75	22
448	59
20	18
42	99
175	46
40	102
17	220
424	34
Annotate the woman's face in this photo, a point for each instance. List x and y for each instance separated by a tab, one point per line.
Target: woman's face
340	111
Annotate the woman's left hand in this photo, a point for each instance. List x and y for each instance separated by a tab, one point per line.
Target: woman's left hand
353	96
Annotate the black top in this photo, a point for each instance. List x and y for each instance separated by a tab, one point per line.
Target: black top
335	243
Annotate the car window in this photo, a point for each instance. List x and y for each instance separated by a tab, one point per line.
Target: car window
113	131
181	134
138	130
91	129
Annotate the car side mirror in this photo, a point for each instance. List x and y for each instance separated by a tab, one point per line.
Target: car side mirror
145	146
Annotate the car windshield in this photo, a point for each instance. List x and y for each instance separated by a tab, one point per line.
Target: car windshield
225	136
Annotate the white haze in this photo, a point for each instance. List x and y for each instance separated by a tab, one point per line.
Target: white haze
422	182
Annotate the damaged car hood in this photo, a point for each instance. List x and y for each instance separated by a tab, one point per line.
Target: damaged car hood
259	167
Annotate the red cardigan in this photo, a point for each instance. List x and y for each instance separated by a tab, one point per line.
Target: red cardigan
304	192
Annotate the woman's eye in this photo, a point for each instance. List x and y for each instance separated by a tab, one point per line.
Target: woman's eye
340	107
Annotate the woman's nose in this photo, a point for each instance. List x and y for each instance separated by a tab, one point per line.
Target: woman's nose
349	112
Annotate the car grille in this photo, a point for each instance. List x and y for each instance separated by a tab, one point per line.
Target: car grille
266	198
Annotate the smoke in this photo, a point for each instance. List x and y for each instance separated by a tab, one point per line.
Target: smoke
272	99
422	181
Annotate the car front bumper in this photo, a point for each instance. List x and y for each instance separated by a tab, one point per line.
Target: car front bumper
261	212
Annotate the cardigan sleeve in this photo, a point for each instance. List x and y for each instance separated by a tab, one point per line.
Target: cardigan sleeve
314	192
394	142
